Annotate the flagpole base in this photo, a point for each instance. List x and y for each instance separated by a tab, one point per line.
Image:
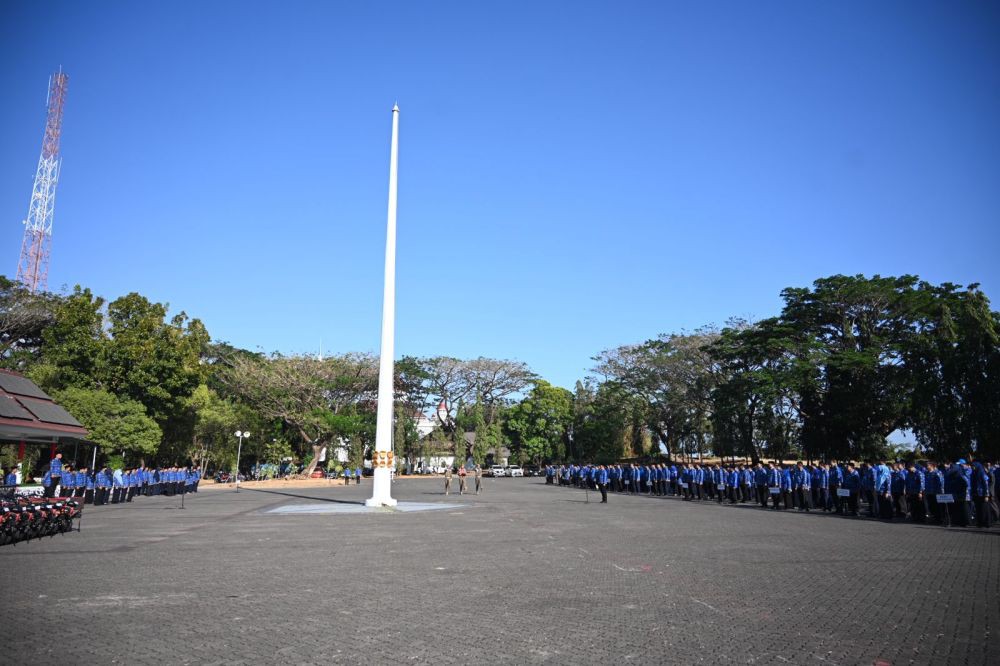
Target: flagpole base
381	489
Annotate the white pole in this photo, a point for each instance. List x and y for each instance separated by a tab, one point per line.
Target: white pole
382	459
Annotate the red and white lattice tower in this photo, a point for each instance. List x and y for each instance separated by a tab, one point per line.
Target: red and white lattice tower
33	266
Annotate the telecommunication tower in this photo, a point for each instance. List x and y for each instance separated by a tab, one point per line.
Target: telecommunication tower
33	265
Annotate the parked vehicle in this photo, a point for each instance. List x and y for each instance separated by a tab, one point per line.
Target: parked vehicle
497	471
515	470
532	470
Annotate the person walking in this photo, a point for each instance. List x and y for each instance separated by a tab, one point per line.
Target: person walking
479	479
447	481
461	480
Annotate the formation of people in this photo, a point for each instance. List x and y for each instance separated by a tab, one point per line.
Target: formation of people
108	486
960	493
463	474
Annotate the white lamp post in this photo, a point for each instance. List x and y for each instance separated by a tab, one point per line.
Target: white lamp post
241	434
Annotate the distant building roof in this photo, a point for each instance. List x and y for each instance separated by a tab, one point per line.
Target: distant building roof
27	414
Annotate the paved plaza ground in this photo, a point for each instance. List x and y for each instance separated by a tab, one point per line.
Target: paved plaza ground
523	573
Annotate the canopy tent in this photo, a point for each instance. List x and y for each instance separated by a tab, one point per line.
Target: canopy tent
29	416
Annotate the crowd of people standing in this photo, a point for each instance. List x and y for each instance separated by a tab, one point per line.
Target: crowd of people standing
959	493
114	486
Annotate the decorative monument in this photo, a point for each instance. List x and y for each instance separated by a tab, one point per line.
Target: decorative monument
382	459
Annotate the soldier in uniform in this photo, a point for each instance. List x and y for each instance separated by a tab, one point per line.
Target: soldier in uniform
447	481
479	479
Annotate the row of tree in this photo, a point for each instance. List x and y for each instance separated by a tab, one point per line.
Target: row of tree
846	363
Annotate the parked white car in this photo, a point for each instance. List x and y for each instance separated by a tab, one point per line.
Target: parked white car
515	470
497	471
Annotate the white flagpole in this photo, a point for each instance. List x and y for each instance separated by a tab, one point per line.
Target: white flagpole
382	460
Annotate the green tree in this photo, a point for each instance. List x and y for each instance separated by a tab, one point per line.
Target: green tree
24	317
954	361
114	423
538	426
72	345
154	360
316	400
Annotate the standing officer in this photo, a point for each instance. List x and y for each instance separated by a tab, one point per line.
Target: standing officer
933	485
883	491
852	484
898	486
821	486
774	484
981	494
55	475
956	484
447	480
836	479
803	486
602	483
760	483
915	488
479	479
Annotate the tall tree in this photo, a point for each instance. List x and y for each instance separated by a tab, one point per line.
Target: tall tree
539	425
319	400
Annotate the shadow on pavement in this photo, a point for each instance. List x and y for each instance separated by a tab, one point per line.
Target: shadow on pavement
309	497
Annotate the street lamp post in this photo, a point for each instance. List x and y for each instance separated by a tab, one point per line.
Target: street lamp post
239	449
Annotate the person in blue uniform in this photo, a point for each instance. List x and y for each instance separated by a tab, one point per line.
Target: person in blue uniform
760	483
915	489
851	483
898	490
774	485
981	493
55	475
802	482
957	485
10	478
835	480
821	487
602	483
102	483
934	485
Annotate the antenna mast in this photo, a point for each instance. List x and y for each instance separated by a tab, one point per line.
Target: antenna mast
33	265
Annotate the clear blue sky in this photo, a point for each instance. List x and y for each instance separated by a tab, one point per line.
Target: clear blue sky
573	176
